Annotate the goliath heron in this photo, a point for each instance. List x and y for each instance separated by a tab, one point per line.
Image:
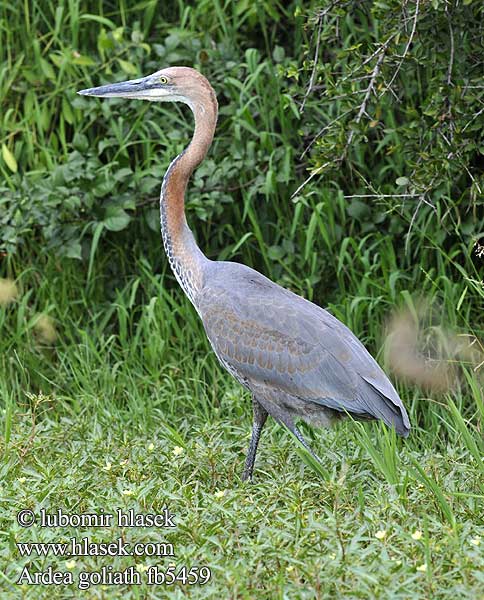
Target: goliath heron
297	360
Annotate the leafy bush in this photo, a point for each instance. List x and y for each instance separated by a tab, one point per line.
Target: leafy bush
382	102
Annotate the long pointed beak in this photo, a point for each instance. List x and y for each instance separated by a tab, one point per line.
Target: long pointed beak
135	88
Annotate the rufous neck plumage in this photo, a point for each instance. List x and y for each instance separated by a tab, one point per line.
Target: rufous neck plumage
185	257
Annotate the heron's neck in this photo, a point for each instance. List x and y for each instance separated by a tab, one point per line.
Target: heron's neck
186	258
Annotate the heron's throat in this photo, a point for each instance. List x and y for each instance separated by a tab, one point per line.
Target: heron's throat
185	257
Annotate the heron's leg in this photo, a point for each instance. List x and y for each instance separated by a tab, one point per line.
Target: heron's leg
299	436
288	420
285	418
260	416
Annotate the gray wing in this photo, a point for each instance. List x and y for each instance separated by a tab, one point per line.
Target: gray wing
266	335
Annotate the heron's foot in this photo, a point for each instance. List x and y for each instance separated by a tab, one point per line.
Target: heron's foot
247	476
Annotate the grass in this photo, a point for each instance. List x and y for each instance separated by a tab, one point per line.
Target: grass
289	535
111	395
132	379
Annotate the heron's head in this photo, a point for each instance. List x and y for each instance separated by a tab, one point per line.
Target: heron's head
174	84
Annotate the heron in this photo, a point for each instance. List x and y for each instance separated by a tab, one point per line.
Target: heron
298	361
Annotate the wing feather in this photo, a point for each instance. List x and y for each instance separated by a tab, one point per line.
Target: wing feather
267	335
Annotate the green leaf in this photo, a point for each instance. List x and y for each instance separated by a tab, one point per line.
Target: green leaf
116	219
47	69
80	142
275	252
98	19
94	244
278	54
127	67
73	250
84	61
67	111
123	174
9	159
358	209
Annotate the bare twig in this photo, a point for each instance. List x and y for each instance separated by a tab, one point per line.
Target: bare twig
361	112
363	105
380	48
414	216
313	174
407	47
462	162
380	52
478	114
383	196
321	131
370	87
367	60
448	103
451	58
315	61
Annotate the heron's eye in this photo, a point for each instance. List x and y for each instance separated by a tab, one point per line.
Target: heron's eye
163	80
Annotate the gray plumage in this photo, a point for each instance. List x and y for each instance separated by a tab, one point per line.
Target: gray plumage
297	359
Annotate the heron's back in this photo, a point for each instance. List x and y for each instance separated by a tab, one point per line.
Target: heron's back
291	352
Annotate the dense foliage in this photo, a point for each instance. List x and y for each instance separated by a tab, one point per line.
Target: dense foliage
381	101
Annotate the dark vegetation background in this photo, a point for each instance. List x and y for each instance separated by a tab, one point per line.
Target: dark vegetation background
370	110
348	165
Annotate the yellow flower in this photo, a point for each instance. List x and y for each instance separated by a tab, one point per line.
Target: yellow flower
422	568
108	466
476	541
177	450
123	462
220	494
127	492
417	535
290	568
381	534
151	447
70	564
22	479
141	568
